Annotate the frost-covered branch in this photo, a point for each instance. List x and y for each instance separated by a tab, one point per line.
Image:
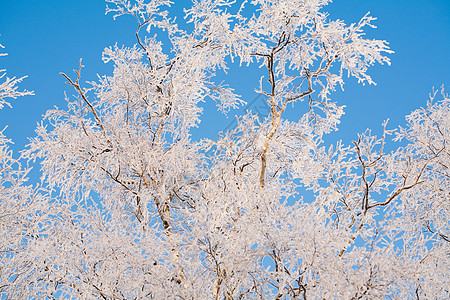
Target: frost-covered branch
9	88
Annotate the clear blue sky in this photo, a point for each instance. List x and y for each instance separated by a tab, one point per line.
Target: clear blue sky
46	37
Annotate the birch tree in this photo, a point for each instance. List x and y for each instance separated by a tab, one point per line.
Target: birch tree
141	210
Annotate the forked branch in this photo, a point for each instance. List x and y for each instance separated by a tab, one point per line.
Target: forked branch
82	93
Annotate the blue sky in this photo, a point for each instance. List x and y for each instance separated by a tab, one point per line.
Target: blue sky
44	38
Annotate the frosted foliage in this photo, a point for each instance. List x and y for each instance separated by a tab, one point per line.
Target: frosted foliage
8	86
22	207
267	210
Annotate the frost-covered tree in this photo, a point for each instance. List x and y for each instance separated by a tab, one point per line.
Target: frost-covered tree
141	210
22	206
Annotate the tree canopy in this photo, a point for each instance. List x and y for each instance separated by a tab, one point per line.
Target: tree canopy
131	207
